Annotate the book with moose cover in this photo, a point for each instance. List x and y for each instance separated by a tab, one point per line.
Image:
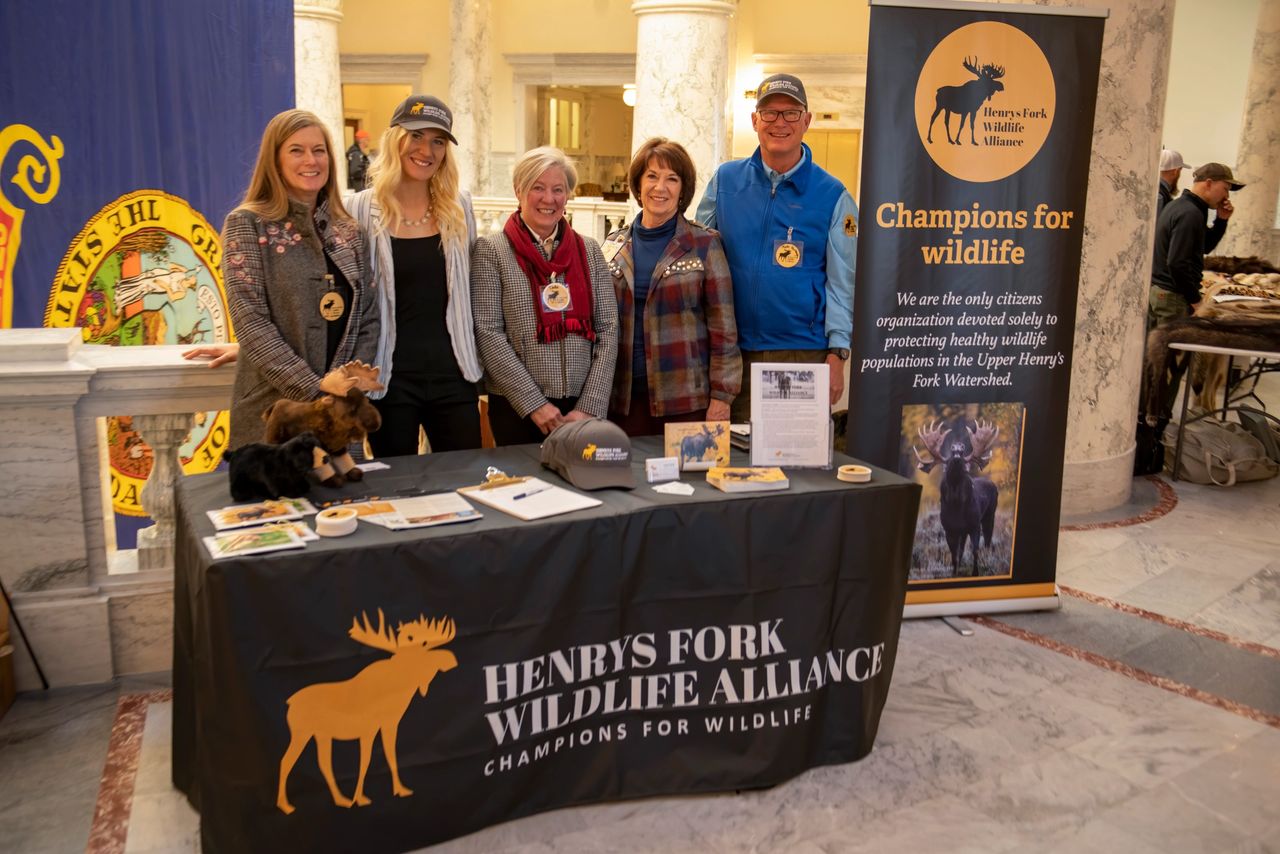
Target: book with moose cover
747	478
698	445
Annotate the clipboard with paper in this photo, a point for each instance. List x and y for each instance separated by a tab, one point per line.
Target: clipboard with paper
529	498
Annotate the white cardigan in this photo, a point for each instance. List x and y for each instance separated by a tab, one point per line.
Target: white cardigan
458	320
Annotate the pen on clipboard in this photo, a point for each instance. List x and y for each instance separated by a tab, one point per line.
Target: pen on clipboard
530	492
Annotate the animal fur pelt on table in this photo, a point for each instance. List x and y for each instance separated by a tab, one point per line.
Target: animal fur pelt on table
1244	326
1231	264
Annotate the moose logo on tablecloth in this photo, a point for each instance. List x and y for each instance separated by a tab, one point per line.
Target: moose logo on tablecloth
369	704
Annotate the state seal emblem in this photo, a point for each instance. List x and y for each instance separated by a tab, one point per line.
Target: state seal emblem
146	269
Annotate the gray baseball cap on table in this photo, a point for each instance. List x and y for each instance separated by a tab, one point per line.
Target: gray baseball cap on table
591	454
419	112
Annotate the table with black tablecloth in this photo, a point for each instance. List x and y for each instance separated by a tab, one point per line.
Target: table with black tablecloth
653	645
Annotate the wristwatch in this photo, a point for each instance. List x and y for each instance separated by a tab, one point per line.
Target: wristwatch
841	352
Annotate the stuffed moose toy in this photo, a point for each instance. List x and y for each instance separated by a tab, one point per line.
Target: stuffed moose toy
337	419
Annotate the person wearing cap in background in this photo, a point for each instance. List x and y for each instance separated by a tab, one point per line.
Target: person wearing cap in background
419	228
678	344
1181	243
358	160
546	317
793	295
1182	240
1171	166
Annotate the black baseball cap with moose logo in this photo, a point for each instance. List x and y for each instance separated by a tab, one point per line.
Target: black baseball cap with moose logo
782	84
419	112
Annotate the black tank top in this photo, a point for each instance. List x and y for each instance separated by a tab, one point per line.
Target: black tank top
423	346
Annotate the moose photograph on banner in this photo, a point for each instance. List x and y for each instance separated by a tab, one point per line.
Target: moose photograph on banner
978	128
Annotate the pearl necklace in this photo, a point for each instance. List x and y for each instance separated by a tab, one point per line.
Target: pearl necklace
413	223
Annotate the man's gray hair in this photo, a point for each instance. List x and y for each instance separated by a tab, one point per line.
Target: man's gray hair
530	167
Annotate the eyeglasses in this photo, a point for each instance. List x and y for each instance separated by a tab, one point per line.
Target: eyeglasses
772	115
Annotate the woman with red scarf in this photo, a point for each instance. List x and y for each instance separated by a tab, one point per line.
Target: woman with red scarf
545	313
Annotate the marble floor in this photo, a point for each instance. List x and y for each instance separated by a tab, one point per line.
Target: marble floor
1142	717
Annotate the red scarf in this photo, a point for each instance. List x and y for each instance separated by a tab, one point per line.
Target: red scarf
569	261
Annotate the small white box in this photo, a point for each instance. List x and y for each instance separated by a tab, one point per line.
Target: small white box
660	469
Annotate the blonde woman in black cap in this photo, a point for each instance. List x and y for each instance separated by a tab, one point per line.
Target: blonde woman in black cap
419	227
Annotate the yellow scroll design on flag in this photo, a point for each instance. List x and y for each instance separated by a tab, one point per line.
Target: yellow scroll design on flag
39	180
368	704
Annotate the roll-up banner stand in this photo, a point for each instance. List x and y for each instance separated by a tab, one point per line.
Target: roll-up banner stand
979	123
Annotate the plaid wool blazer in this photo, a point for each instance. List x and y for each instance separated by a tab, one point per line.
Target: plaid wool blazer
274	274
516	364
691	338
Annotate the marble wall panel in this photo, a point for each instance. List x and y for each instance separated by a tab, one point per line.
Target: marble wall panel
41	522
71	638
470	89
142	632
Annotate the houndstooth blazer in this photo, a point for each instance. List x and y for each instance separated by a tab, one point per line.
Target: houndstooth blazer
274	274
517	365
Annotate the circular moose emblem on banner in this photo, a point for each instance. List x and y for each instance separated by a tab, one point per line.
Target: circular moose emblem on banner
146	269
984	101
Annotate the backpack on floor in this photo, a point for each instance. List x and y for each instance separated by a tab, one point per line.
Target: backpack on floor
1263	429
1221	453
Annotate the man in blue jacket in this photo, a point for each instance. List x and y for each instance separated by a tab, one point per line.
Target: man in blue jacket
790	233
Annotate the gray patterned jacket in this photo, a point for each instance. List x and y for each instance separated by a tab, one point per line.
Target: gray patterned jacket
516	364
274	273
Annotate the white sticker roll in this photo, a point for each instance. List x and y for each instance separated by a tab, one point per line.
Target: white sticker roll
336	522
854	474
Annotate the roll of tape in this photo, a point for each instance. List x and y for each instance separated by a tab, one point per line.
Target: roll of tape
854	474
336	522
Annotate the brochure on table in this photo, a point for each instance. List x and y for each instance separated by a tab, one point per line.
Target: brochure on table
790	415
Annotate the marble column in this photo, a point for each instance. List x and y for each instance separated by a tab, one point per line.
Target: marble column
317	80
469	90
1115	267
1251	230
165	434
682	73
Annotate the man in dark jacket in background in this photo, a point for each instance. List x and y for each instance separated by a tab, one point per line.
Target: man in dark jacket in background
1182	239
358	161
1171	166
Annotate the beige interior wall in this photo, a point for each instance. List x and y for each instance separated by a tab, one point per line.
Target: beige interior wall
373	104
1208	74
400	27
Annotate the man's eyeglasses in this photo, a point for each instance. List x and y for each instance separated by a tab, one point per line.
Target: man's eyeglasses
772	115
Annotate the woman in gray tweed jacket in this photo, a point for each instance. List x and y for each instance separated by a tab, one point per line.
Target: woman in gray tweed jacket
546	317
294	264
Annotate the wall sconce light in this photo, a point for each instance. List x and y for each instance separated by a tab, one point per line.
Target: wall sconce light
629	94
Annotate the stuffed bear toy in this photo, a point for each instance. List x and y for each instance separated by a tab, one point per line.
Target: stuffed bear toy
261	471
337	419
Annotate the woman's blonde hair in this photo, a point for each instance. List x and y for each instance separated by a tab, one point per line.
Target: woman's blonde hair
268	194
535	161
385	175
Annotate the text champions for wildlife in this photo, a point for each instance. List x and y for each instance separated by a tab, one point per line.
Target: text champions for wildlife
974	250
570	695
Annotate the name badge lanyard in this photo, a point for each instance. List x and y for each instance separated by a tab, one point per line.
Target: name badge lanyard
788	253
331	302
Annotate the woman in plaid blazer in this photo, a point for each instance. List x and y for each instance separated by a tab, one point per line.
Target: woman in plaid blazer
678	356
546	320
297	285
